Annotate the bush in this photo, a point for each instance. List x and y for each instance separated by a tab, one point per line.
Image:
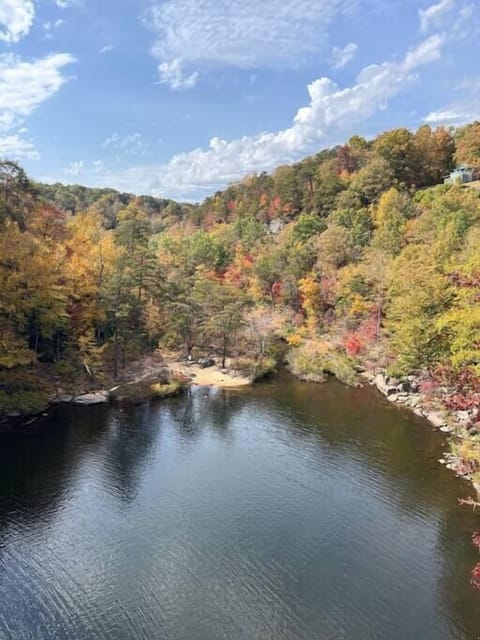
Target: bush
149	389
23	402
314	362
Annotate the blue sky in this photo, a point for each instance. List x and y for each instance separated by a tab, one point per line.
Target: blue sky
177	98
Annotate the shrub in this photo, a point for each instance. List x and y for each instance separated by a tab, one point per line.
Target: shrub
315	361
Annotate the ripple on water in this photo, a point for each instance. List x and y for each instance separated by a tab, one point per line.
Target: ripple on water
285	512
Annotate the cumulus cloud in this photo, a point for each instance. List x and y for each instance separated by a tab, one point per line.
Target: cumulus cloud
106	49
433	15
16	18
23	87
342	55
191	35
331	110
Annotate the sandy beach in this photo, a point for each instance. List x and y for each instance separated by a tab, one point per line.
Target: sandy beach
208	377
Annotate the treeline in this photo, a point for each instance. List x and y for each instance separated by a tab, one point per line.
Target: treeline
355	255
73	199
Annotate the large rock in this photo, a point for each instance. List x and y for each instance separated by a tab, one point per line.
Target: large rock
437	418
205	363
99	397
63	398
382	384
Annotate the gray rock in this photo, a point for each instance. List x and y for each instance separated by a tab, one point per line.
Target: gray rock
276	226
99	397
463	416
205	363
63	398
437	418
447	429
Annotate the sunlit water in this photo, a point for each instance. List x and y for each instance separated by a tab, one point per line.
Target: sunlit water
285	512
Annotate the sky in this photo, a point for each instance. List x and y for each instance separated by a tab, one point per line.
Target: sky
178	98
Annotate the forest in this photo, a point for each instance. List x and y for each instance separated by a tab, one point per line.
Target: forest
358	257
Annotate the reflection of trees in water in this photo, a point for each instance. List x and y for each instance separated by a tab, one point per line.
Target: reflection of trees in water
455	544
38	465
204	408
403	450
129	445
390	441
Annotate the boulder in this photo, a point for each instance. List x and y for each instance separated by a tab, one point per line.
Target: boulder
205	363
62	399
99	397
437	418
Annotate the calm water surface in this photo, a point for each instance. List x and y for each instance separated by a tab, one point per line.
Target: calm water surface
285	512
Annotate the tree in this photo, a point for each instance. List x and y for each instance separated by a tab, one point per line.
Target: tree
326	187
467	141
418	292
435	150
390	219
398	149
221	309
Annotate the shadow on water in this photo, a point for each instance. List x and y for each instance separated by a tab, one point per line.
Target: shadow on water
286	511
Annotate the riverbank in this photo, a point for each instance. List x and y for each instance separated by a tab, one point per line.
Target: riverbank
208	376
157	375
462	426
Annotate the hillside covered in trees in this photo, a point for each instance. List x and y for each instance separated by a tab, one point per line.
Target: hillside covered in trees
356	257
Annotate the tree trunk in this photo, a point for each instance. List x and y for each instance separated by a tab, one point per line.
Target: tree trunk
224	351
115	354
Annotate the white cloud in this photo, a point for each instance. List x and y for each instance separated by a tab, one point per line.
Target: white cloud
451	117
465	108
23	87
172	73
13	147
74	168
66	4
106	49
433	15
131	144
193	35
49	27
16	17
342	55
331	111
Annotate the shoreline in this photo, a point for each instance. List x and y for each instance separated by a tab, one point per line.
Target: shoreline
156	377
211	376
454	424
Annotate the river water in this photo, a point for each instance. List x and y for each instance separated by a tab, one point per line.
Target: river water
287	511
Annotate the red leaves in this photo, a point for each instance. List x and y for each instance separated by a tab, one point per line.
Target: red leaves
352	343
366	334
461	402
466	384
475	579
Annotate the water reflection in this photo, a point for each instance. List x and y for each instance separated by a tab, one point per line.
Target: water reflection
287	511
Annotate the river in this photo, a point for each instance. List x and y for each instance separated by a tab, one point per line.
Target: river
287	511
